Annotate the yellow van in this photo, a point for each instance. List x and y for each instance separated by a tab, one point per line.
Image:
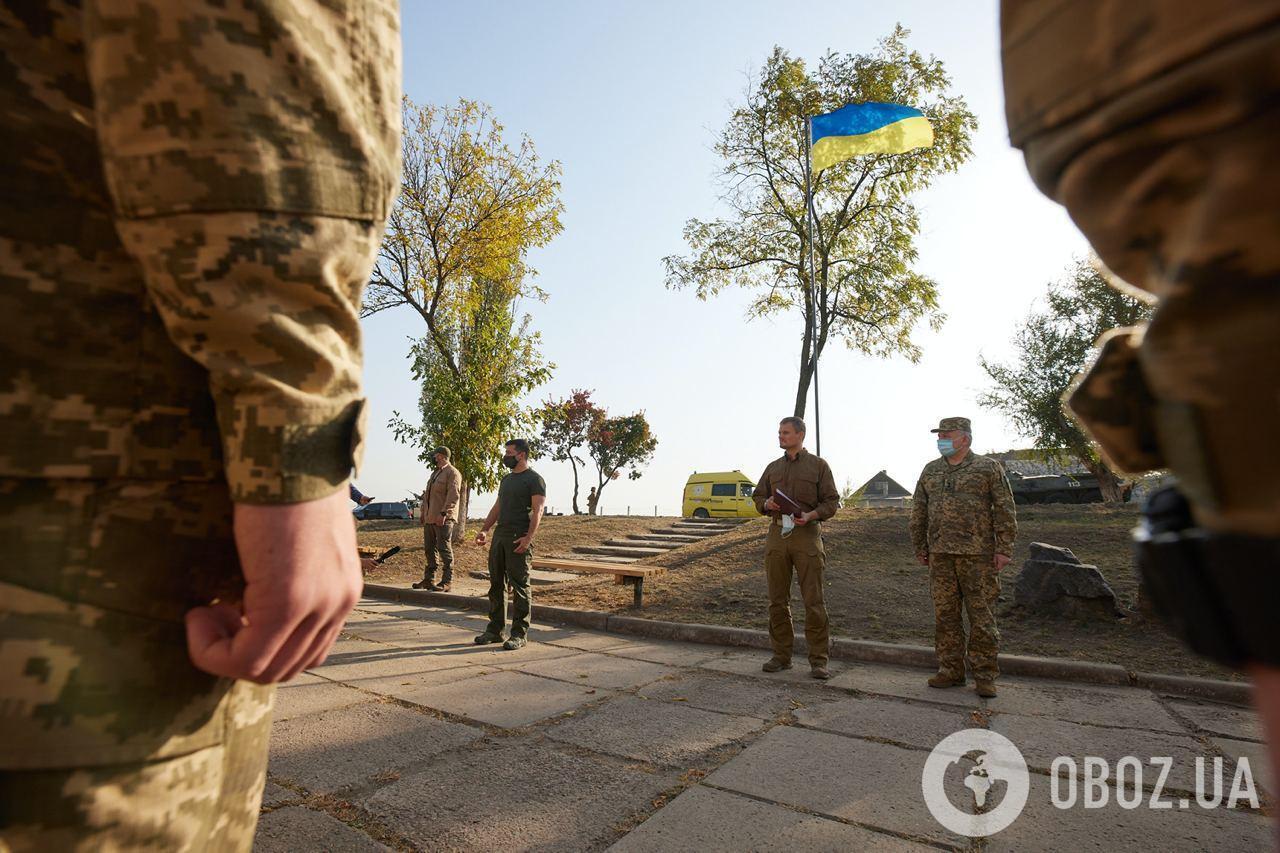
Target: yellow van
719	494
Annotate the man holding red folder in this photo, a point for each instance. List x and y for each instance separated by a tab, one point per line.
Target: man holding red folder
799	492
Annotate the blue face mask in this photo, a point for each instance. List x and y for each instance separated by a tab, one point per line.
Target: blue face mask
946	446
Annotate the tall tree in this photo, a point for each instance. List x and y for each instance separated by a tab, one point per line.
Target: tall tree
470	208
1051	348
566	425
618	443
868	295
473	405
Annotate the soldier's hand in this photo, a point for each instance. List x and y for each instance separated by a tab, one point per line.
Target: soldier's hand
772	505
805	518
481	538
1001	561
302	577
922	559
522	544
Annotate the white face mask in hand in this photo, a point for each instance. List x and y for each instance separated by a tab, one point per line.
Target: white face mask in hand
788	524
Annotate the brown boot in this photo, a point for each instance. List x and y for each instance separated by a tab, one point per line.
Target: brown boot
776	664
944	680
985	687
820	672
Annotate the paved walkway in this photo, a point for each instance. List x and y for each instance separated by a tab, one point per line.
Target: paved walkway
410	737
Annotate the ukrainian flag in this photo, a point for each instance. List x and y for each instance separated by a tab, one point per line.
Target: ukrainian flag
867	129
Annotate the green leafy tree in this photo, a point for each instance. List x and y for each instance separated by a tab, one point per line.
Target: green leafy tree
618	443
470	208
473	405
1051	349
867	293
566	424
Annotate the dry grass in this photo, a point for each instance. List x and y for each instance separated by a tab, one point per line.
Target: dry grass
875	589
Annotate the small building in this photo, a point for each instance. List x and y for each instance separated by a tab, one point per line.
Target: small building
882	490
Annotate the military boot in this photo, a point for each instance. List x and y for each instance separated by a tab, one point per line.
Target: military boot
944	680
985	687
776	664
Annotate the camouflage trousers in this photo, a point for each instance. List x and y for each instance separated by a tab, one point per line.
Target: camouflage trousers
1174	182
959	581
800	554
109	737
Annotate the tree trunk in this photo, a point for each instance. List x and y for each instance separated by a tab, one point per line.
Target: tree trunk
573	463
1111	486
464	503
802	388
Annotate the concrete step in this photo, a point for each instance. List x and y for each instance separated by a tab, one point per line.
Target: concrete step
705	529
695	520
617	551
678	538
598	558
644	543
691	530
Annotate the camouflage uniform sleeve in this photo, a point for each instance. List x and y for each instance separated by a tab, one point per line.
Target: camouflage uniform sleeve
828	494
920	518
1004	520
762	492
252	152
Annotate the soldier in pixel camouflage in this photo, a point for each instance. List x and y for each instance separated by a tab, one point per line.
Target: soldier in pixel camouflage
1154	122
193	197
962	527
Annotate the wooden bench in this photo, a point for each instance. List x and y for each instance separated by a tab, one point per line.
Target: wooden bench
624	573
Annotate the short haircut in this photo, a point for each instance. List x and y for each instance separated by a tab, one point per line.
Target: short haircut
520	445
795	423
443	451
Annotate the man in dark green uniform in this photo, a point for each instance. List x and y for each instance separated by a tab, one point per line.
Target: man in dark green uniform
517	512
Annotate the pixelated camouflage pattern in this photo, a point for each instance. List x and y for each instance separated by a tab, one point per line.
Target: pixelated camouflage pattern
965	508
1155	124
193	199
947	424
1115	402
959	581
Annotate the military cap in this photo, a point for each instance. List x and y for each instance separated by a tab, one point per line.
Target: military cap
953	423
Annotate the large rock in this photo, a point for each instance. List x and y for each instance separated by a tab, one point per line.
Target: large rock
1054	581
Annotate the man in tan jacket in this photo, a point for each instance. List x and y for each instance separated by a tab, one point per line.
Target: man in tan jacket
439	515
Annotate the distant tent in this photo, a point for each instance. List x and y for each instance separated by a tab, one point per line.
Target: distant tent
882	490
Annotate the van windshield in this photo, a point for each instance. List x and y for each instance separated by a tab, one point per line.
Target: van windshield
747	489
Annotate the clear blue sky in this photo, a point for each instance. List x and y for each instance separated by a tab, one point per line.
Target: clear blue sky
629	97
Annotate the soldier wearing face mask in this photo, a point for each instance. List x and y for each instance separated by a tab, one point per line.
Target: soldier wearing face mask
962	527
517	512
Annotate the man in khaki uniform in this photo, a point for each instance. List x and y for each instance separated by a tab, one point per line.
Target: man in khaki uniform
439	515
962	527
192	200
802	483
593	498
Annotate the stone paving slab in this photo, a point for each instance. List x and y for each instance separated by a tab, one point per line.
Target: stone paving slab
332	750
903	682
277	795
575	638
353	660
1224	720
517	794
704	819
412	633
594	670
420	687
1259	762
749	663
1042	826
656	732
298	828
871	784
1042	740
308	694
510	699
886	719
1102	706
672	654
734	695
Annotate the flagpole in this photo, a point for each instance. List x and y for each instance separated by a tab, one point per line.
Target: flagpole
813	277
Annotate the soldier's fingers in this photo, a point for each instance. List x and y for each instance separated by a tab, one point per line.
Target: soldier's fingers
253	650
210	631
289	657
323	644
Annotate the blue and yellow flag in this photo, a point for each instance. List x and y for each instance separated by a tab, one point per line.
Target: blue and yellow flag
867	129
